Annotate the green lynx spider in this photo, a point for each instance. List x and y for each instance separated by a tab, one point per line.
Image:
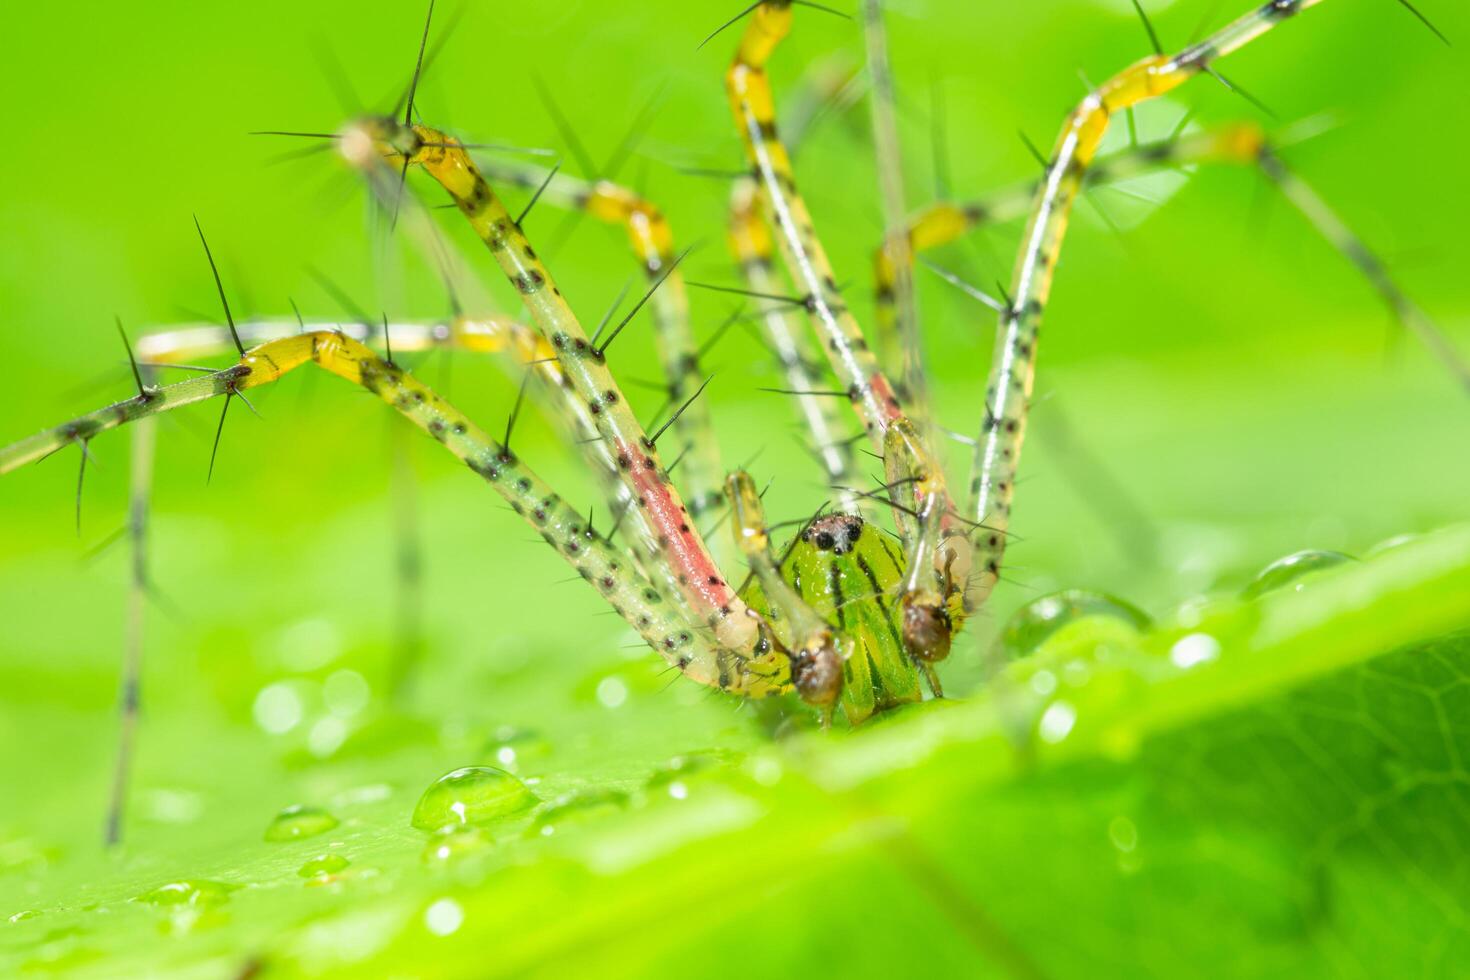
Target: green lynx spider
843	616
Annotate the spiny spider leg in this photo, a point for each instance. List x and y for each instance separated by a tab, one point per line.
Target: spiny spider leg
1327	222
658	620
913	386
877	404
178	346
679	545
383	183
1013	368
520	347
751	99
140	484
816	652
1243	143
929	617
652	241
804	374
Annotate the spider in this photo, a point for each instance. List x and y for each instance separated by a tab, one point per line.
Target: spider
851	617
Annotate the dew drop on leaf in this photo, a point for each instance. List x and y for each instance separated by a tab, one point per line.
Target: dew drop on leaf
1284	571
472	795
1036	622
296	822
323	865
197	892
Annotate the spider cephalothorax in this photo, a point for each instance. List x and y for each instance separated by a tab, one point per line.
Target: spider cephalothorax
850	574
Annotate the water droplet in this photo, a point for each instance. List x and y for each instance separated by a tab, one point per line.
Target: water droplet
1285	571
1036	622
575	808
472	795
678	790
323	865
24	914
1057	721
454	843
296	822
444	917
196	892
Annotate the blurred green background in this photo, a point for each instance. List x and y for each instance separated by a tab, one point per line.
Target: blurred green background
1228	369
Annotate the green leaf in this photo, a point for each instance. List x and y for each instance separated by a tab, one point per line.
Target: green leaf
1291	801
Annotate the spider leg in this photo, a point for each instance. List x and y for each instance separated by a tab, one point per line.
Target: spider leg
682	556
1013	368
870	391
901	300
803	373
659	618
1331	227
140	482
516	344
1240	143
815	650
749	89
929	618
652	242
